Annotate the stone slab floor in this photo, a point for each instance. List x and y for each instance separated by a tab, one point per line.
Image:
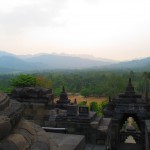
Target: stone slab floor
95	147
129	146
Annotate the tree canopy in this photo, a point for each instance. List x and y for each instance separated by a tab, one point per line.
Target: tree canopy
23	80
87	83
27	80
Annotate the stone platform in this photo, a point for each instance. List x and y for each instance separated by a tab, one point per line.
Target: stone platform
95	147
68	141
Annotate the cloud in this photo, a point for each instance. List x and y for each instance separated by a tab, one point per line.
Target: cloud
44	13
92	1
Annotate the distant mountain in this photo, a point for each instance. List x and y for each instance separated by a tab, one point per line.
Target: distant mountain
11	63
91	57
52	61
7	70
137	65
3	53
40	62
15	63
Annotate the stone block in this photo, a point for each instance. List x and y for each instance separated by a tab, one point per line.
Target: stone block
72	110
83	111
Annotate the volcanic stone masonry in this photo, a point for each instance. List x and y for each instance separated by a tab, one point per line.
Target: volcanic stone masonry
17	133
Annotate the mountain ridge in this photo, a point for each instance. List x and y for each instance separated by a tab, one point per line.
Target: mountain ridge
41	62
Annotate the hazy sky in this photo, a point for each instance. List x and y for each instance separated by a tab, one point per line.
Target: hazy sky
114	29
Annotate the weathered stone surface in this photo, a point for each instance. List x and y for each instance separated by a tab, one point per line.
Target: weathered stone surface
33	95
147	134
4	101
123	106
85	123
96	122
31	92
5	126
72	110
83	111
129	146
95	147
17	133
68	141
25	136
36	101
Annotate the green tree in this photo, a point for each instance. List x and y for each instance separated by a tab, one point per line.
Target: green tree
85	92
57	91
83	103
104	104
43	82
23	80
94	106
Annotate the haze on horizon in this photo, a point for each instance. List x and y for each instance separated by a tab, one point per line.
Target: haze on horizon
118	30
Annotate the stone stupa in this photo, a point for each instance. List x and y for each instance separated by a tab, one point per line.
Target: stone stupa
63	101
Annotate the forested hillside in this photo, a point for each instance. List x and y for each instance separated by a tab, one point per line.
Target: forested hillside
86	83
96	83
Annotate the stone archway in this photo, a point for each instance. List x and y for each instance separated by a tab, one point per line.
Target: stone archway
135	118
130	129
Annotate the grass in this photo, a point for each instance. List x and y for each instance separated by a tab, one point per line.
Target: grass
80	98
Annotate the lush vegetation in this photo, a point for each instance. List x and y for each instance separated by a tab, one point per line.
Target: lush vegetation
96	83
98	108
95	106
23	80
27	80
87	83
8	82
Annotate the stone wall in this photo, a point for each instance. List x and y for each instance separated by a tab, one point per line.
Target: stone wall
36	101
33	95
147	134
17	133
